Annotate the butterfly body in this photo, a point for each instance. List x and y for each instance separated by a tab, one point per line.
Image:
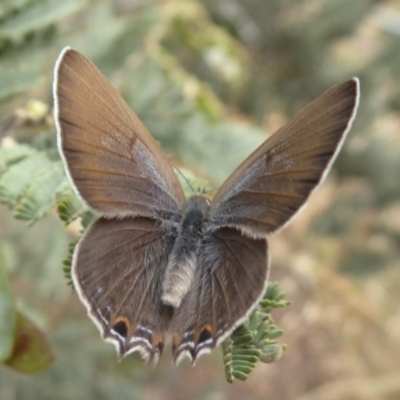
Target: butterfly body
155	267
179	272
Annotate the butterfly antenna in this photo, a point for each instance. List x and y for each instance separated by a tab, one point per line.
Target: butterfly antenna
184	178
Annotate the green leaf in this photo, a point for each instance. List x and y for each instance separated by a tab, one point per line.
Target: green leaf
87	218
32	352
273	298
68	262
7	313
12	154
244	338
36	16
239	375
272	353
30	182
39	198
11	6
15	181
255	340
70	207
18	80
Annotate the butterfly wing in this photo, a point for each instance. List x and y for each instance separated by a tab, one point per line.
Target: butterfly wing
117	271
230	278
113	162
274	182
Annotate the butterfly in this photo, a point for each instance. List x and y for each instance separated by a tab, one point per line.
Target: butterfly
155	268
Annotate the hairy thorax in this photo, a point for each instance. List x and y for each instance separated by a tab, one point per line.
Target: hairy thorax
182	259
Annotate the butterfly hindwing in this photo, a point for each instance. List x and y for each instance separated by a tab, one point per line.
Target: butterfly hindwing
230	278
118	269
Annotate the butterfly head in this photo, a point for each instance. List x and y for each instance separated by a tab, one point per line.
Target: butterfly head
198	203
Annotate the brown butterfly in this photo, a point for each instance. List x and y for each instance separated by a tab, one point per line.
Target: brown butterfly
156	267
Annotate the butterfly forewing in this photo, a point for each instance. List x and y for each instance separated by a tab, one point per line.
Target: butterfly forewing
118	270
270	186
113	161
230	278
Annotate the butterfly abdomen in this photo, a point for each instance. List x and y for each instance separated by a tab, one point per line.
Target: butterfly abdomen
182	259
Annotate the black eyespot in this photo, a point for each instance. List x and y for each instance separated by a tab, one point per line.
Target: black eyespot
160	346
204	335
121	328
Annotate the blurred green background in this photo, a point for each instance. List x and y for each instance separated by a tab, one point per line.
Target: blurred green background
211	80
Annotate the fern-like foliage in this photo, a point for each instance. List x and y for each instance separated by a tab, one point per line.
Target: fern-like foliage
255	340
69	206
67	212
30	181
68	263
